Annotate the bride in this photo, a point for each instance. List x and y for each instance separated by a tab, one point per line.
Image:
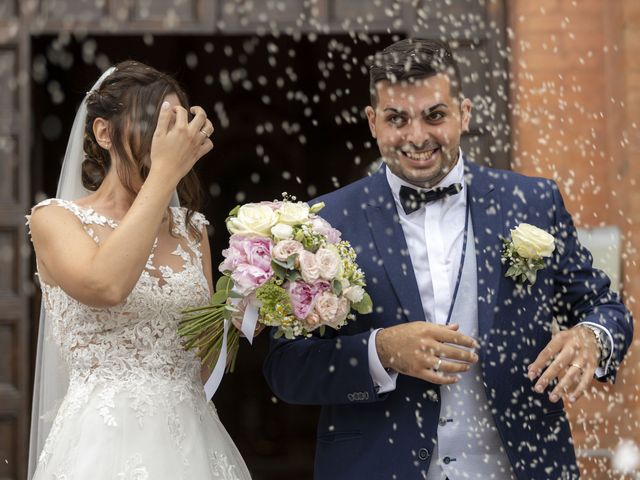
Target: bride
118	261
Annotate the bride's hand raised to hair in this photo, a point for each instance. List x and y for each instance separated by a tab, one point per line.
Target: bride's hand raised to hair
176	147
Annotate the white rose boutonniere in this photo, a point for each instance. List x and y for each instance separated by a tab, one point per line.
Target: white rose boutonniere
525	252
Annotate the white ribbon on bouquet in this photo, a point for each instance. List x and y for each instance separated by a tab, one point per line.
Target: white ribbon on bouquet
248	327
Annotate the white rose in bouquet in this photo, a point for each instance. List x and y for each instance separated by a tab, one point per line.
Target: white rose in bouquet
253	219
327	307
329	262
354	293
309	268
282	231
293	213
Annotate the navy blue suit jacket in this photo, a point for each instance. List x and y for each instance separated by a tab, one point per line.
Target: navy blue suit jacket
362	434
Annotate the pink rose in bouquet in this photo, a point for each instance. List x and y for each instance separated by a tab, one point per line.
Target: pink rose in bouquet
285	248
322	227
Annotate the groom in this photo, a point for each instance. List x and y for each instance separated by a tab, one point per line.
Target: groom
456	373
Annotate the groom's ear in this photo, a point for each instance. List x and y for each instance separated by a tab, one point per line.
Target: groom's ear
101	132
371	117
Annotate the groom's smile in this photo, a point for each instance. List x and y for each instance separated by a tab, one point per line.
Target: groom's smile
421	158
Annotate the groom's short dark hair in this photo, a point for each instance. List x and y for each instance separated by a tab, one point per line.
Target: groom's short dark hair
412	59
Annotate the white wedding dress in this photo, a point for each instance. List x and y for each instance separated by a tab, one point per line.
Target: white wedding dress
135	407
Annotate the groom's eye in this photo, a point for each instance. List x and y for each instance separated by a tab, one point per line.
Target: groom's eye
396	120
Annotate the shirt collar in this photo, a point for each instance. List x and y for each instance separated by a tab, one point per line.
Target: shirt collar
456	175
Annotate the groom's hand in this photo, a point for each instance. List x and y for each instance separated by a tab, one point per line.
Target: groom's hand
571	357
426	351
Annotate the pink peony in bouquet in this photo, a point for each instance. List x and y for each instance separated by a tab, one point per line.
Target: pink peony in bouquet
285	267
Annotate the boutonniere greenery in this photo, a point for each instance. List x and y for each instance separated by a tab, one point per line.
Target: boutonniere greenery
525	252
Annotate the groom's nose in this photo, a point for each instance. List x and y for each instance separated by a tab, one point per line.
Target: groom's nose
418	133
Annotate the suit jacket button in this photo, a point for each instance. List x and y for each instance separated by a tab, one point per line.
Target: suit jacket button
446	460
423	454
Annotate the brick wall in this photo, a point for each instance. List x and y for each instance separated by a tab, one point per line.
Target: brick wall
576	96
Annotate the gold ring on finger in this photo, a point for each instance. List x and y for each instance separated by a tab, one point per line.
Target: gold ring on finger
579	367
204	133
437	365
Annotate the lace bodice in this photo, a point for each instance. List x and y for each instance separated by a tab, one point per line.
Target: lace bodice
136	340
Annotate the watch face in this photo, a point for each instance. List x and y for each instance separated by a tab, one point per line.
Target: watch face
601	341
603	344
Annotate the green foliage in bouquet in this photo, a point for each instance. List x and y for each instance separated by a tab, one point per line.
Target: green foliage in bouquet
203	327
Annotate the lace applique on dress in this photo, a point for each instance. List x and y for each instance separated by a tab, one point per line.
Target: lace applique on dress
134	469
221	468
88	216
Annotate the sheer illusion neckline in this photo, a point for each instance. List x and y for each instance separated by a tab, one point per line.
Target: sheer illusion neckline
172	261
111	221
89	209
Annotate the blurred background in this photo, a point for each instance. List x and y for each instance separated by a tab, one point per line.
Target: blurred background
556	92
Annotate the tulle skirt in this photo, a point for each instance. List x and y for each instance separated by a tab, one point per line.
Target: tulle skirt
139	431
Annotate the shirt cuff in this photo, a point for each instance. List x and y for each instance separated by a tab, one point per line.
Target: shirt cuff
602	371
383	380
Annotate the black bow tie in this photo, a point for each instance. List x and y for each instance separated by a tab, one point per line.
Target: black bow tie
413	199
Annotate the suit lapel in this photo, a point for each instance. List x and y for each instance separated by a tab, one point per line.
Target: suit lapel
486	215
391	245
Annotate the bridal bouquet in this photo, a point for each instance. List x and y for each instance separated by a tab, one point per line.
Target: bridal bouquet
285	267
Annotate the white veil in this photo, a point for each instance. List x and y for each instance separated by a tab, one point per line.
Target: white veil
51	376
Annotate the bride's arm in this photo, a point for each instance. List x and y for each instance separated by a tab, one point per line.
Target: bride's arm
105	274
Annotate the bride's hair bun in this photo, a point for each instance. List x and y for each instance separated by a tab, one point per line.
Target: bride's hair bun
96	162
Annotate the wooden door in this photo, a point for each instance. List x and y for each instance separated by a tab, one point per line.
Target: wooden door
15	290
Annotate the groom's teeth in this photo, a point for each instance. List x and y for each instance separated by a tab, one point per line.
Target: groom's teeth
420	155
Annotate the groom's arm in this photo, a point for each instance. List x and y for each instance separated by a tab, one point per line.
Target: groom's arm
582	292
582	298
321	371
329	369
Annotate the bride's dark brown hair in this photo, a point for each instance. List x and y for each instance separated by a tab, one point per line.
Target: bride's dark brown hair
129	99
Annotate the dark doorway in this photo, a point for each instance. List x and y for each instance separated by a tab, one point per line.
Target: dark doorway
288	117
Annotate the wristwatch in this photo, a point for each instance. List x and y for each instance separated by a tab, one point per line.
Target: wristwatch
603	343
